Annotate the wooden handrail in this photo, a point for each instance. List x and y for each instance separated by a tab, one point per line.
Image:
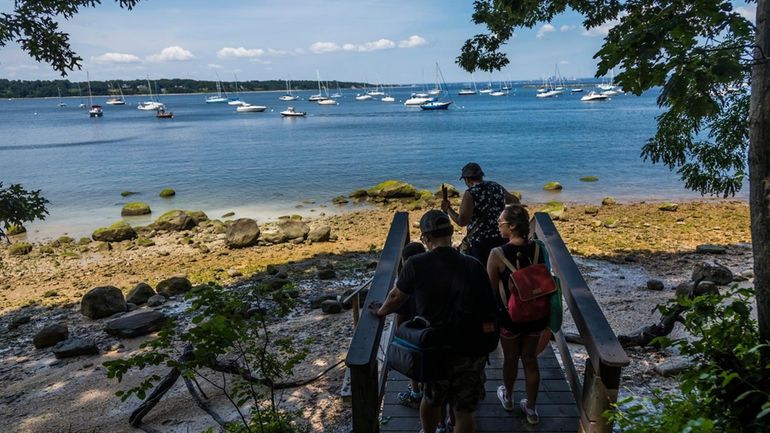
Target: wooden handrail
366	382
599	387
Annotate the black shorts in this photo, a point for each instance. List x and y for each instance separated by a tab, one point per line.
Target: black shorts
465	387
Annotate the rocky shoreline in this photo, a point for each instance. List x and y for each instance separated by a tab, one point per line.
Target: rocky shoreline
619	247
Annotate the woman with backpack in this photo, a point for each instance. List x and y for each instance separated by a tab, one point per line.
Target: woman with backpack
519	342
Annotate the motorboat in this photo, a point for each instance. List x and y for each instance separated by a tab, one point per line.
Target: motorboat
610	93
388	99
328	101
163	114
150	106
436	105
96	111
486	90
365	96
416	100
375	93
548	94
593	96
249	108
499	93
290	112
421	95
576	90
236	102
466	91
115	101
216	100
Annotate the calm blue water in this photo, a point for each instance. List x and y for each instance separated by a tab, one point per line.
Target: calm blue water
262	165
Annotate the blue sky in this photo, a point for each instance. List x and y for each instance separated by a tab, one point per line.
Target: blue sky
362	40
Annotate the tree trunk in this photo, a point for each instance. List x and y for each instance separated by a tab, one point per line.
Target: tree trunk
759	167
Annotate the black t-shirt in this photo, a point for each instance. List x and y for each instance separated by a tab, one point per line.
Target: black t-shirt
432	279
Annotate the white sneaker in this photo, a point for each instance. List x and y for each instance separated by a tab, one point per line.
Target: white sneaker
532	416
504	399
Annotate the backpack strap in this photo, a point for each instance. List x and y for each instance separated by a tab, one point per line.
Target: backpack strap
537	253
500	286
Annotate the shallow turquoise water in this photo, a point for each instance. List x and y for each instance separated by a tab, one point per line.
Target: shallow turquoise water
262	165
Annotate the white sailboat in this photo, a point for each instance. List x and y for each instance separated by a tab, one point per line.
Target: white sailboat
117	100
467	90
219	98
153	104
61	103
288	95
236	100
339	92
317	97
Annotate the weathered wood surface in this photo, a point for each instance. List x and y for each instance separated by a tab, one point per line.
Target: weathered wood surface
555	404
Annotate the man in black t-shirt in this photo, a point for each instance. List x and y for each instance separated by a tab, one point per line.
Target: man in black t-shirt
429	277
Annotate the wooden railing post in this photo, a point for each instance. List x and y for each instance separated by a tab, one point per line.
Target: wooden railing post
600	391
366	379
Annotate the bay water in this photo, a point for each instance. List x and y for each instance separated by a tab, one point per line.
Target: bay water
261	165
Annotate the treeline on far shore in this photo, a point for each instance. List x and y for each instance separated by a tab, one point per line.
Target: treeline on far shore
46	88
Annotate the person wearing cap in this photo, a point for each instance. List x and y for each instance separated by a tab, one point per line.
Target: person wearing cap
428	277
482	202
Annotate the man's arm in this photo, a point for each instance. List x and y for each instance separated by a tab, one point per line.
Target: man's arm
462	218
395	299
510	198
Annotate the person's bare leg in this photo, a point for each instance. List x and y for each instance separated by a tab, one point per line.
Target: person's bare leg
531	369
464	422
429	416
511	354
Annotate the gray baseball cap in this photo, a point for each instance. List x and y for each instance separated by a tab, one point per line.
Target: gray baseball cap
433	221
471	169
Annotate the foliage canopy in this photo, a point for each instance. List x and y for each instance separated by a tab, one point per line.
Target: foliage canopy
17	206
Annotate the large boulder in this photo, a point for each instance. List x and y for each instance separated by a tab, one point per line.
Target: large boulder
75	347
102	301
167	192
243	232
120	231
135	208
20	249
392	189
174	286
50	335
712	271
273	236
140	294
174	220
136	325
293	229
320	234
331	306
197	215
553	186
668	207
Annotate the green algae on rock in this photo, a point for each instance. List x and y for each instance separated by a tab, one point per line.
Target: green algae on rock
669	207
20	249
15	229
120	231
392	189
451	191
609	201
167	192
127	193
589	179
553	186
174	220
555	209
135	208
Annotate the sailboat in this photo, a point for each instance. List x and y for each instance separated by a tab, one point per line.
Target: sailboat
153	104
80	94
96	110
467	90
61	103
438	105
219	98
389	96
117	100
327	100
236	99
288	96
317	97
487	89
339	92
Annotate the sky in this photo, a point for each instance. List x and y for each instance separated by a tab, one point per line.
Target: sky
388	41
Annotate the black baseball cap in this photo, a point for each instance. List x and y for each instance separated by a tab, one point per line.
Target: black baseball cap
435	221
471	169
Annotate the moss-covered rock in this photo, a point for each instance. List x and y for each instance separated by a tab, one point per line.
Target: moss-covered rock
340	200
611	223
84	241
424	194
65	240
669	207
15	229
451	191
120	231
359	193
135	208
589	179
392	189
144	242
609	201
228	214
174	220
516	194
128	193
167	192
416	205
555	209
591	210
20	249
553	186
197	215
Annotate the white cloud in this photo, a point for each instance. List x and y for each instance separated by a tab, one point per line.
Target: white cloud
260	61
215	66
566	28
274	52
604	29
412	41
547	28
324	47
175	53
116	58
380	44
239	52
564	62
349	47
749	12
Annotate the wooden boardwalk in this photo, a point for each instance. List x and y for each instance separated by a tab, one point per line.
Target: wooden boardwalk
555	403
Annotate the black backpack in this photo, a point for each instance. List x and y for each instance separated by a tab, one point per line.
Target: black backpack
474	325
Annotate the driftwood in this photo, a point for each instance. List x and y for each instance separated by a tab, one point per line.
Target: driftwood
229	367
644	336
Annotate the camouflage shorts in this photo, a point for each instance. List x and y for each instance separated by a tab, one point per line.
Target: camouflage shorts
465	387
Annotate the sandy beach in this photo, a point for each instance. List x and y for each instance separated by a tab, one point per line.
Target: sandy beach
618	247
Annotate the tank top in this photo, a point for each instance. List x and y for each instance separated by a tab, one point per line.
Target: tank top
488	203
